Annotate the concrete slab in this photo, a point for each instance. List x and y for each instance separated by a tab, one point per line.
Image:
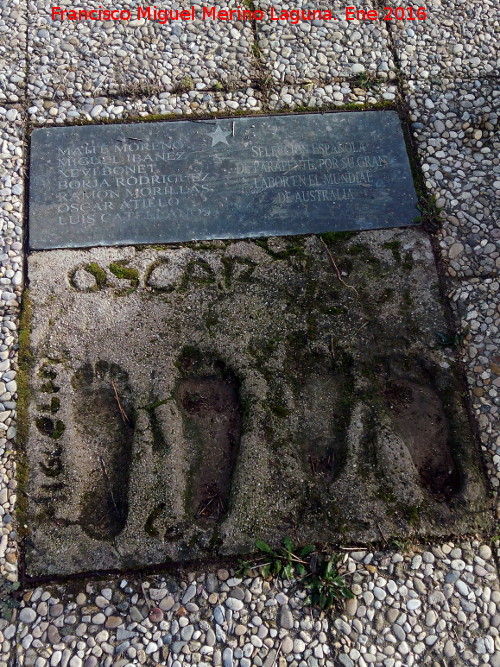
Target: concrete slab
456	131
312	51
476	304
186	401
456	39
77	60
13	25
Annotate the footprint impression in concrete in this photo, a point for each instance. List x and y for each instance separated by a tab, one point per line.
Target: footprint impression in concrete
104	422
419	417
208	397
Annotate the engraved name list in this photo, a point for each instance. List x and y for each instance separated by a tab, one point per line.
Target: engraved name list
179	181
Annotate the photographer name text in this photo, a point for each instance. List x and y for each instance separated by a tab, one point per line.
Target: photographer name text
214	13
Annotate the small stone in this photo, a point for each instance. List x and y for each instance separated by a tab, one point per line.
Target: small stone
416	562
56	610
237	593
285	618
485	552
458	564
480	646
234	604
122	634
357	68
455	250
190	593
156	615
157	594
298	646
227	657
53	634
462	587
219	615
449	649
27	615
287	645
430	618
351	607
167	603
404	649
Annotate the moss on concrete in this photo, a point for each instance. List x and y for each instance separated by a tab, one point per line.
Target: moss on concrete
26	362
99	274
123	272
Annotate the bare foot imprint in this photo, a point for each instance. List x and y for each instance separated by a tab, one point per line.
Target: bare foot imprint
419	417
212	416
104	421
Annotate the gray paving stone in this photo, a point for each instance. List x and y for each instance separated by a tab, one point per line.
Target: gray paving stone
455	125
322	51
13	26
457	39
476	304
78	60
194	289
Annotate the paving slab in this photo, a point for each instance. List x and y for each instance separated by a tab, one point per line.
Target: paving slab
455	125
187	400
13	26
77	60
456	39
12	179
330	95
193	103
200	103
321	50
407	607
477	306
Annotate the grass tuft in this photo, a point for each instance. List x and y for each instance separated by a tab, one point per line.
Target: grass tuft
318	572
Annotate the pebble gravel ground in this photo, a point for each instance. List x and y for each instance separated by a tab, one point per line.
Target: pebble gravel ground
458	39
13	25
456	125
335	94
435	605
81	60
477	306
435	602
322	50
432	603
115	108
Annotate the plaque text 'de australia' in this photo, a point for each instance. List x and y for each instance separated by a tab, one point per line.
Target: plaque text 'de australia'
212	179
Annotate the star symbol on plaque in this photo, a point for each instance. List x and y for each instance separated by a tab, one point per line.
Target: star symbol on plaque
219	136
